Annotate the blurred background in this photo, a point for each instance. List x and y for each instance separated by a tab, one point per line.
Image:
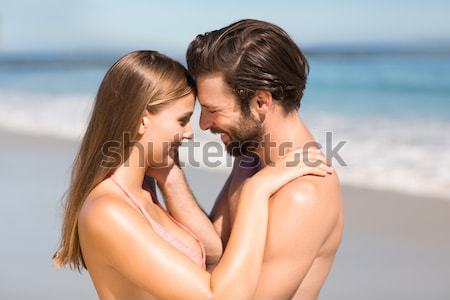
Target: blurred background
379	80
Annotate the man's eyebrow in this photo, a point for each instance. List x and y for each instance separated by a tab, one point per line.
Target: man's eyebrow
206	106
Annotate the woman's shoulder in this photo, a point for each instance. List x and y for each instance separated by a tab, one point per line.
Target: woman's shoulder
107	224
102	208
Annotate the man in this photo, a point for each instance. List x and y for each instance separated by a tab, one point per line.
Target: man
250	79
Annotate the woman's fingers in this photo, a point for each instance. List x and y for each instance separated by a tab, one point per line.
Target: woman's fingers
311	157
291	166
320	170
320	161
310	162
313	171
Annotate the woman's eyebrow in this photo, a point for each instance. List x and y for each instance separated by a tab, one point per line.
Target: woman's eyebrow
187	115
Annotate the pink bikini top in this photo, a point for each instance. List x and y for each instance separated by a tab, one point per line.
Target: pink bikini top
164	233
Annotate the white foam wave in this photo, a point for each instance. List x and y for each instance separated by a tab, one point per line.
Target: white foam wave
62	116
381	153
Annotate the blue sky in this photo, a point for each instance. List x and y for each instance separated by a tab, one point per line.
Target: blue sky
82	25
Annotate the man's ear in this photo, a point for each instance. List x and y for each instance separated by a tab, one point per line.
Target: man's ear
145	121
261	103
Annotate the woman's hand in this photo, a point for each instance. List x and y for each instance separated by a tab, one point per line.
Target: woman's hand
167	173
295	164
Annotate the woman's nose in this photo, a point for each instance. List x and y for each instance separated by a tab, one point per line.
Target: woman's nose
188	134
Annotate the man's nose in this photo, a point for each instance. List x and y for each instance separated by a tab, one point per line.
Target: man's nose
205	120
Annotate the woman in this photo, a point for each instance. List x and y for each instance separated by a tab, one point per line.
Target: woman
113	226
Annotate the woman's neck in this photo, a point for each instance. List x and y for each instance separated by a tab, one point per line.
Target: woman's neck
132	171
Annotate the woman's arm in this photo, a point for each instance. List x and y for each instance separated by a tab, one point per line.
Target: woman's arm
127	243
183	206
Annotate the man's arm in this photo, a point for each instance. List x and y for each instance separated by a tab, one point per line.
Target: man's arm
301	218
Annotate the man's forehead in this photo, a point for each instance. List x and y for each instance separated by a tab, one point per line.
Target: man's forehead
212	91
215	100
211	83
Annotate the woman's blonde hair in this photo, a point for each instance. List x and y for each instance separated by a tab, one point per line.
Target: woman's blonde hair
139	81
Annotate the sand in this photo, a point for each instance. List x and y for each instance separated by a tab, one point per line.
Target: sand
395	246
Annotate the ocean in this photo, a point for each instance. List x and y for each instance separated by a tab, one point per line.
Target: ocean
391	111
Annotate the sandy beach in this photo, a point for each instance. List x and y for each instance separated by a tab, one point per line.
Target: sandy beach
395	246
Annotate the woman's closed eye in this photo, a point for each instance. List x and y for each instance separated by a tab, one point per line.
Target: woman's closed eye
184	120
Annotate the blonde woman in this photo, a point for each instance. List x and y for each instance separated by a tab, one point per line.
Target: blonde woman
114	226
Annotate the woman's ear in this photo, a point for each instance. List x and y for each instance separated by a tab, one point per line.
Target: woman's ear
145	121
261	103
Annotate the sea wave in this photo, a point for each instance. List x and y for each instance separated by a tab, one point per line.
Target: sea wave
404	155
384	153
56	115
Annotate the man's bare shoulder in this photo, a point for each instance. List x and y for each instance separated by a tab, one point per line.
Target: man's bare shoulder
306	197
310	189
304	225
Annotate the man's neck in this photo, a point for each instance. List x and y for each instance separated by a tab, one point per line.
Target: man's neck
283	134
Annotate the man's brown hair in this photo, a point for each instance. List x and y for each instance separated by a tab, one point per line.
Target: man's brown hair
252	55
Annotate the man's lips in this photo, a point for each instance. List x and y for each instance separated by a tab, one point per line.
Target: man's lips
213	131
224	136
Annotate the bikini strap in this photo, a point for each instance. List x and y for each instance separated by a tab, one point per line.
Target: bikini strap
154	224
158	227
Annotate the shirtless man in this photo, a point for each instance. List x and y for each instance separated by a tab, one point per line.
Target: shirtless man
250	79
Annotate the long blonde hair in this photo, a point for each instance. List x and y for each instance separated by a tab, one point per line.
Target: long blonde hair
139	81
